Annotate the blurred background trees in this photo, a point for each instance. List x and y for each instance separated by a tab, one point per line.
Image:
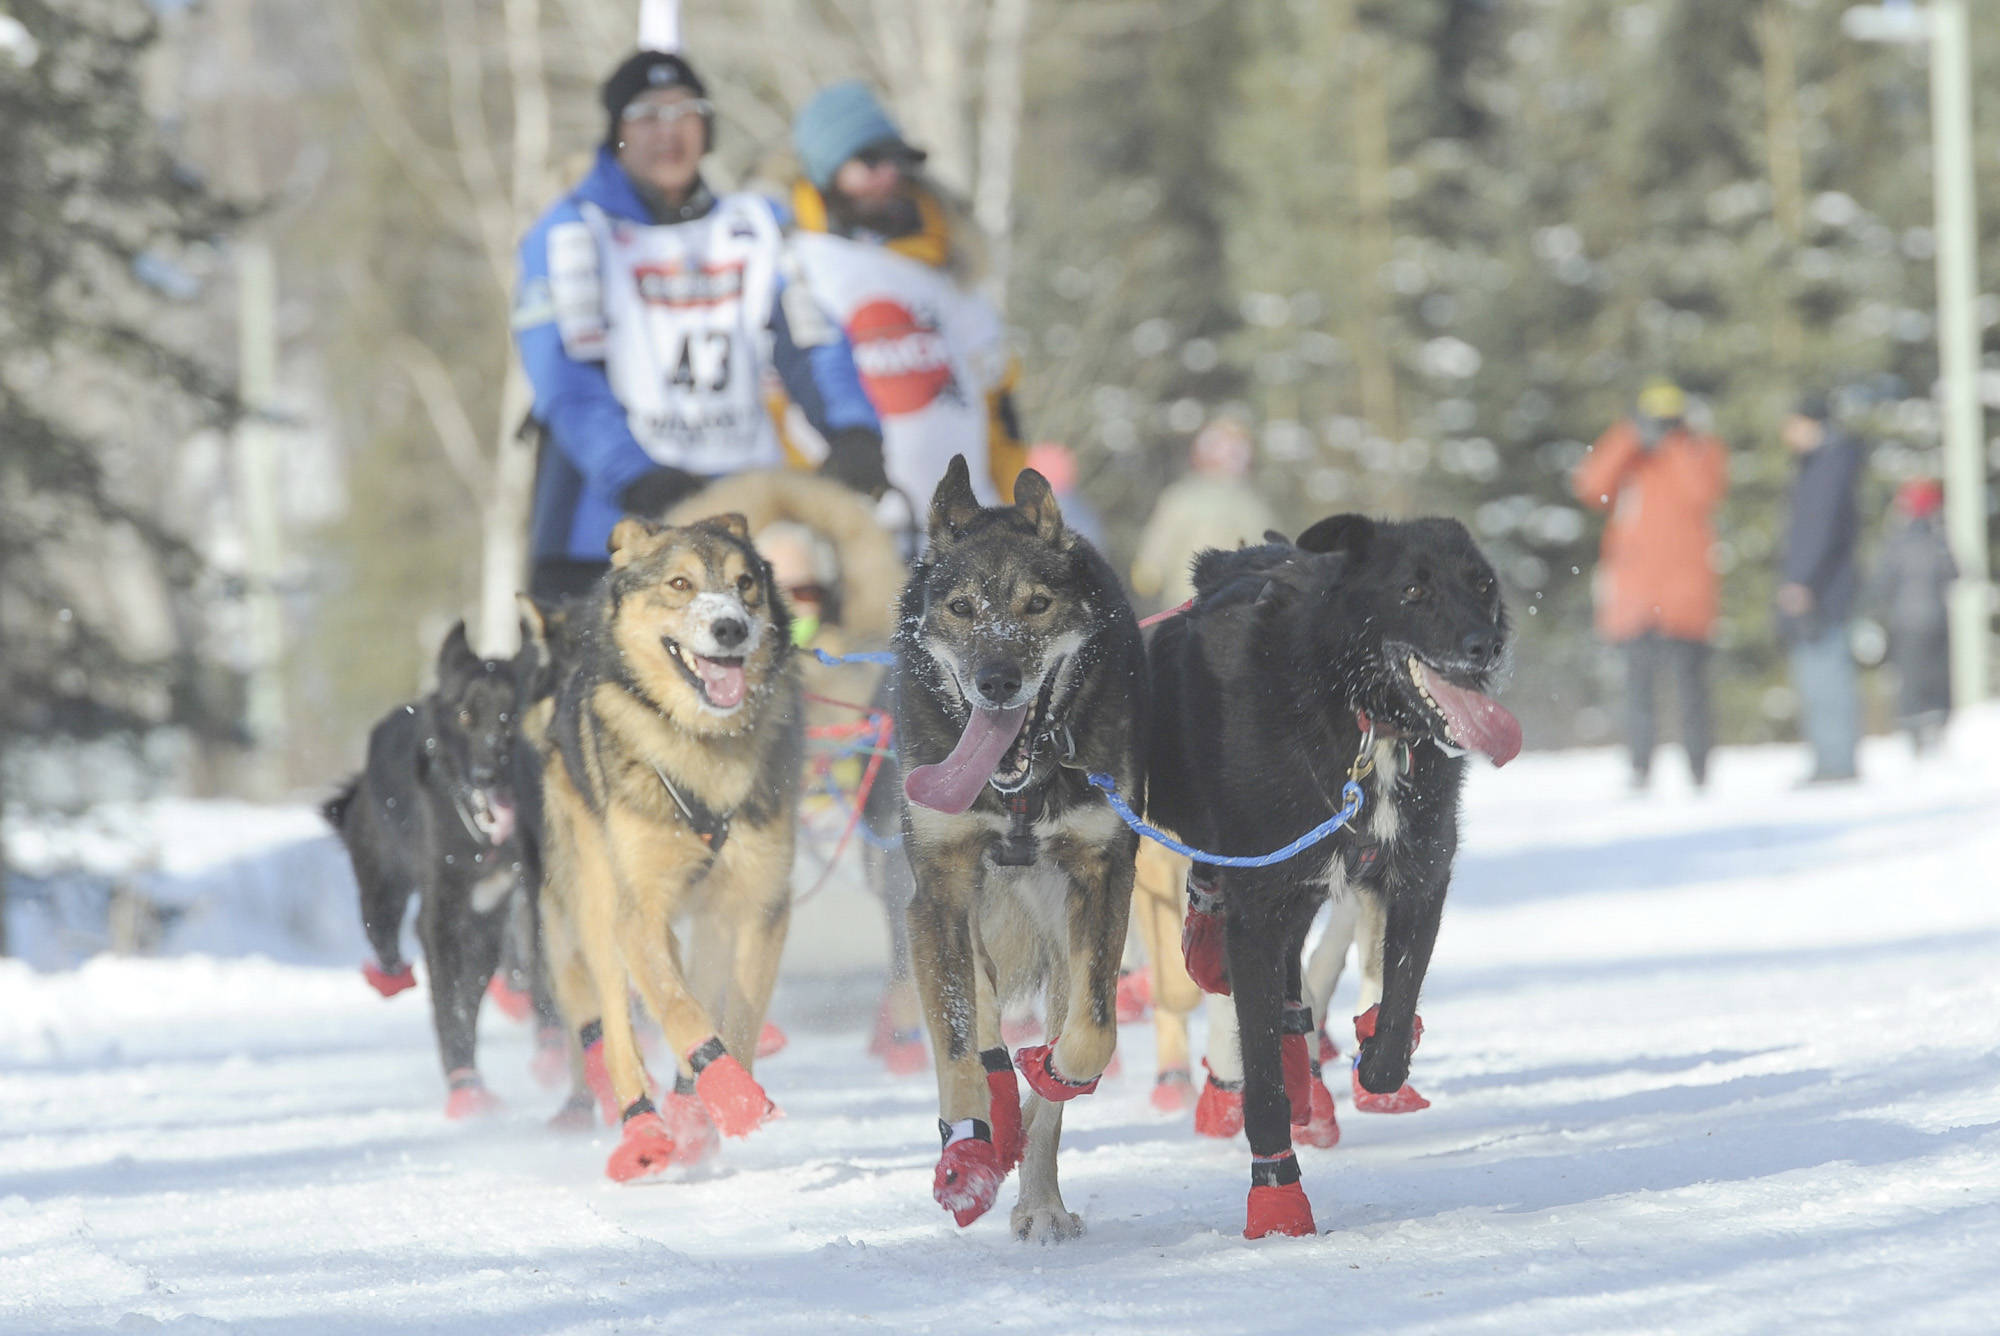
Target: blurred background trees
1427	249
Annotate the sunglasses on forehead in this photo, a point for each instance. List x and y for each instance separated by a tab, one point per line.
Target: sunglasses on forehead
664	113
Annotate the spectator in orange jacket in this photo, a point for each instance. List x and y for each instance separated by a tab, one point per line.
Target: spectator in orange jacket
1655	586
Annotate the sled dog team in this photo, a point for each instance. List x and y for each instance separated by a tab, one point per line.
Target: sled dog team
613	815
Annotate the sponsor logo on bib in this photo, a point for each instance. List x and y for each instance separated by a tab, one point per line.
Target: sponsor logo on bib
904	361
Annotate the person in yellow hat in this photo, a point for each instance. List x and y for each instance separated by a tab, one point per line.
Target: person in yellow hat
1656	587
897	262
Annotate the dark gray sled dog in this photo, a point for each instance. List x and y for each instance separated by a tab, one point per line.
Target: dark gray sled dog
431	815
1360	652
1020	669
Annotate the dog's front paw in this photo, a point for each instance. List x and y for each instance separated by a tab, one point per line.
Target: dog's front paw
1381	1072
968	1179
645	1148
1278	1209
731	1095
1038	1067
388	982
1046	1224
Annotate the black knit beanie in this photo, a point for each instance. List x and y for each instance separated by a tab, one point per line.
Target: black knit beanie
641	72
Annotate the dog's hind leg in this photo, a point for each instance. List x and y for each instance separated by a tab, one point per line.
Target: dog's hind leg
1328	960
1156	903
1263	970
1039	1215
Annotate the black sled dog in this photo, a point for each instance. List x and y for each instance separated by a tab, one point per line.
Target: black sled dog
431	815
1359	653
1020	669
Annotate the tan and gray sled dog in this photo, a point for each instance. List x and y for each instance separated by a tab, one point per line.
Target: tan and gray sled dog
670	764
1020	671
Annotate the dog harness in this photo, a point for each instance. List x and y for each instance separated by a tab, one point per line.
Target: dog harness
709	826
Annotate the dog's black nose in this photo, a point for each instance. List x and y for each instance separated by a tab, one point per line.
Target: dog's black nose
998	682
729	632
1482	647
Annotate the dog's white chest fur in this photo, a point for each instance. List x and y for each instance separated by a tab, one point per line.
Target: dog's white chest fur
1379	820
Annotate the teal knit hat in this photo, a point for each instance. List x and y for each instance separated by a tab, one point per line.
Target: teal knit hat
838	123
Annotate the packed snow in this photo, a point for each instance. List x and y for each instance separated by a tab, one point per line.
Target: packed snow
1719	1062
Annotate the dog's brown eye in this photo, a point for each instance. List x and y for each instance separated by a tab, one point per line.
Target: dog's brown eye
680	584
1039	603
1482	586
745	582
1413	593
961	607
465	719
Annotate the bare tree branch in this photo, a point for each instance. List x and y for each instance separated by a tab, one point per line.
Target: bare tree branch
453	425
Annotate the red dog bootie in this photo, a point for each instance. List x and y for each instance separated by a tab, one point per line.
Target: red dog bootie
386	983
469	1097
1278	1203
595	1074
1219	1112
687	1122
645	1147
513	1003
1328	1050
731	1095
1405	1099
1004	1107
1296	1059
770	1040
1321	1129
1173	1091
968	1174
1038	1066
1204	939
1135	994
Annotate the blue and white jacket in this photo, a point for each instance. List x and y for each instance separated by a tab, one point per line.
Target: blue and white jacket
647	342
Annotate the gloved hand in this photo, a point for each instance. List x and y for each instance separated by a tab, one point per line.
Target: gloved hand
653	494
854	457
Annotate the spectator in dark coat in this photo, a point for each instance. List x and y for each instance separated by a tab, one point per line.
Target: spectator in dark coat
1909	590
1816	598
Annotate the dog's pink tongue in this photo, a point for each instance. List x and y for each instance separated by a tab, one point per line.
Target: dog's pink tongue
1477	723
952	784
497	822
724	682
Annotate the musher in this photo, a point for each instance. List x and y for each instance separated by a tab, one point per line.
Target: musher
647	313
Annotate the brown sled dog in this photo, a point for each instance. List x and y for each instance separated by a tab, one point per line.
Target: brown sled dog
1020	670
670	770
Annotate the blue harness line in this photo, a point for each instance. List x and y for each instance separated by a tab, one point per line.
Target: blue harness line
872	656
1350	797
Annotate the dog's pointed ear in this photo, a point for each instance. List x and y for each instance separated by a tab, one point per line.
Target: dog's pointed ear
456	655
1348	535
1273	536
631	538
732	523
1034	498
953	505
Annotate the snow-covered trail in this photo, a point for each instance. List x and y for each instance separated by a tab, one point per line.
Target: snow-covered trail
1719	1064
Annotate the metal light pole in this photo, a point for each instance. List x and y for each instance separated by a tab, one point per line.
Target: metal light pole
1942	24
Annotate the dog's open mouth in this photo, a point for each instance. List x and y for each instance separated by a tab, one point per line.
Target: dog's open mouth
1468	720
997	747
493	814
721	682
1019	759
